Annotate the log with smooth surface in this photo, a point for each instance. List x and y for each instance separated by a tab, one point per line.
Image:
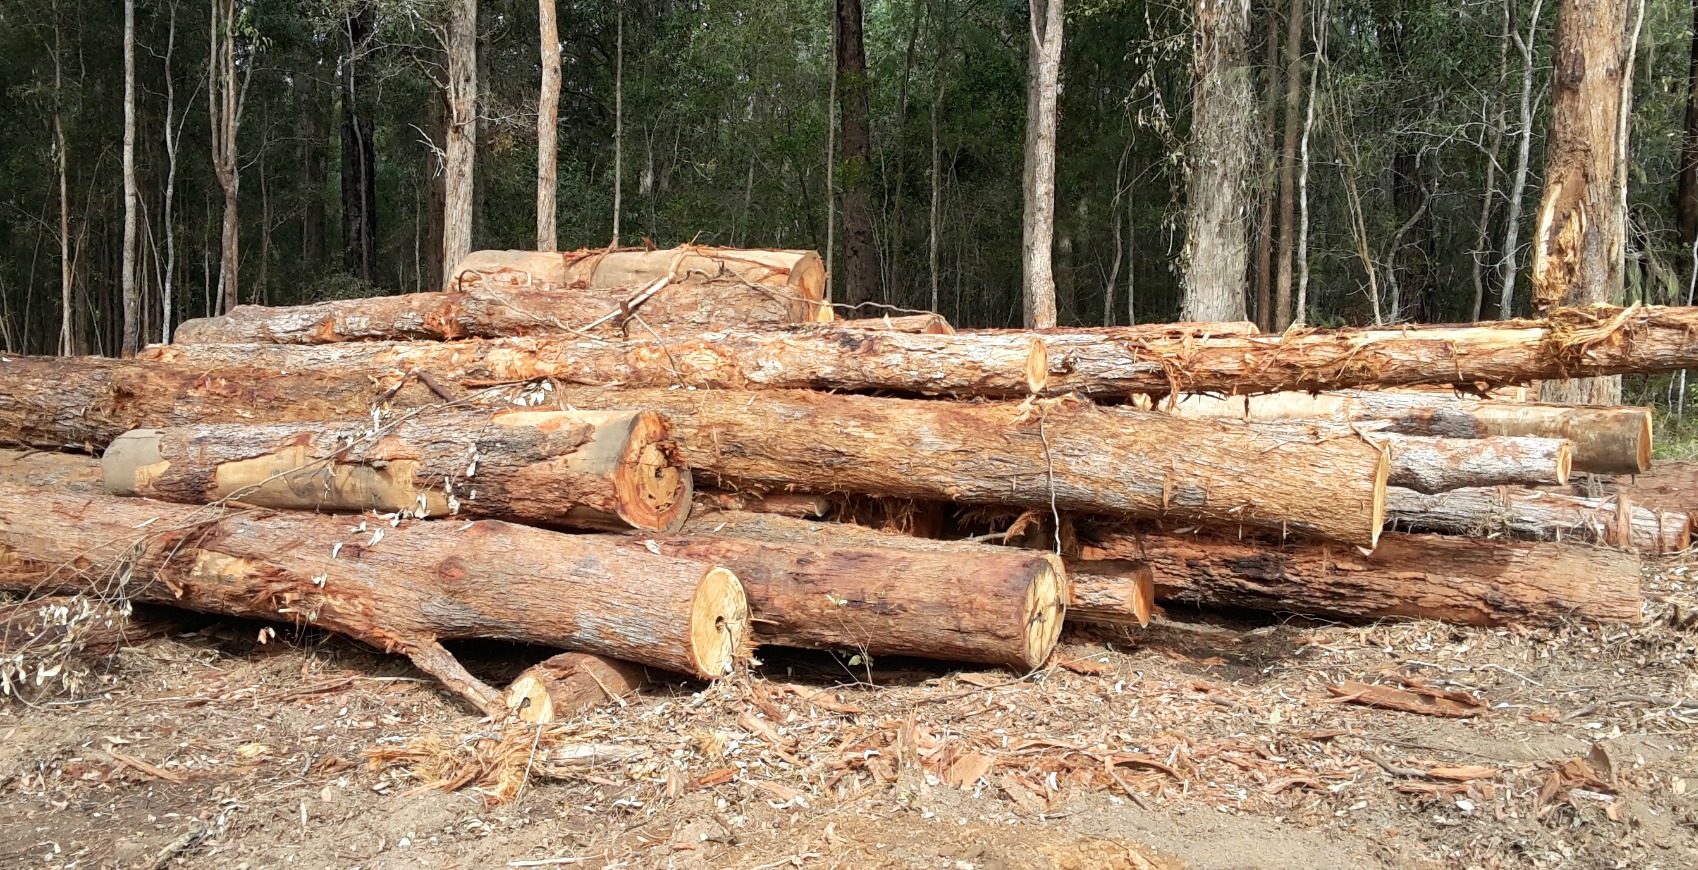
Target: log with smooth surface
401	588
1539	515
996	606
610	470
556	689
803	272
548	310
1607	439
1468	581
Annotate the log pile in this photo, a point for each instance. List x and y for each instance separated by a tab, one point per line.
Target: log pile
519	458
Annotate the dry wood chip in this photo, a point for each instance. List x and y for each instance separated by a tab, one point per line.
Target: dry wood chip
822	700
1426	701
780	792
1138	759
967	768
714	777
1463	772
1431	789
1024	795
984	681
135	763
1088	666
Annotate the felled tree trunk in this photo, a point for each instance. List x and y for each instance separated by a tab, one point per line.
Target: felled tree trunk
1540	516
1607	439
402	589
610	470
1065	455
820	357
999	607
1469	581
802	272
560	687
1111	591
927	324
563	311
1442	464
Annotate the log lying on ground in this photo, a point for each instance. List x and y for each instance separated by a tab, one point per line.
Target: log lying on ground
553	310
821	357
610	470
1607	440
1060	454
1469	581
993	606
1540	516
1074	456
401	589
560	687
1442	464
802	272
1111	591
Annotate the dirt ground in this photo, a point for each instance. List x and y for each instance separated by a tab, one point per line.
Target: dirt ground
1205	741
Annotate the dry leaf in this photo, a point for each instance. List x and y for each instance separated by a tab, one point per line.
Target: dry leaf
1087	666
966	770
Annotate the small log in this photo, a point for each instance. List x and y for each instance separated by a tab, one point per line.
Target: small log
1468	581
1539	516
565	685
924	324
611	470
802	272
401	588
1607	439
1440	464
1111	592
559	311
993	606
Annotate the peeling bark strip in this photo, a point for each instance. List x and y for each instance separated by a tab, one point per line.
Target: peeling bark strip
1573	342
1540	516
611	470
553	310
402	589
999	606
1461	580
1607	439
801	272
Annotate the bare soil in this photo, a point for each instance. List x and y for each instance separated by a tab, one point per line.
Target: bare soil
1205	741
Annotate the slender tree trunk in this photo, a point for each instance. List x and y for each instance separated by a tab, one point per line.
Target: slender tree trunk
893	286
619	117
1300	314
936	218
67	342
132	198
359	153
1043	85
1288	163
1523	151
860	253
1686	197
461	46
173	138
1578	249
831	165
548	122
1222	119
1267	186
226	98
1488	202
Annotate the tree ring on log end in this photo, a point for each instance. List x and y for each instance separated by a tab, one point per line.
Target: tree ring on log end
1644	451
719	624
1042	612
653	485
1037	367
530	700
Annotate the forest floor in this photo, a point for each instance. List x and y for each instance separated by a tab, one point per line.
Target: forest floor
1205	741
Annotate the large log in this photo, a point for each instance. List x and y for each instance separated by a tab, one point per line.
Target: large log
822	357
611	470
1607	439
801	272
1469	581
551	310
1061	454
555	689
402	588
1442	464
996	606
1539	515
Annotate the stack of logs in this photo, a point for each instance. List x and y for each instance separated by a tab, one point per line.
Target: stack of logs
659	459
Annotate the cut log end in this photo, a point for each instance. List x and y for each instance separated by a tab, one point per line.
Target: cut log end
1564	462
1037	367
652	483
560	687
1044	609
132	461
1643	454
719	624
529	699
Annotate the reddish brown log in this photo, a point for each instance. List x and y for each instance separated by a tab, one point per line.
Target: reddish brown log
401	588
1540	516
559	688
611	470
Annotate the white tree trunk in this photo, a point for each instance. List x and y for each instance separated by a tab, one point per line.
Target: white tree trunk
1217	252
131	292
548	117
1043	85
461	46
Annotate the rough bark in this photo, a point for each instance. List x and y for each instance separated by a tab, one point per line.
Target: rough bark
558	310
1461	580
1539	515
1686	193
225	101
611	470
132	196
802	273
404	590
1043	91
460	46
560	687
1607	440
1218	163
548	122
359	148
789	504
1667	486
1288	164
1110	592
1431	465
860	253
806	591
928	324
